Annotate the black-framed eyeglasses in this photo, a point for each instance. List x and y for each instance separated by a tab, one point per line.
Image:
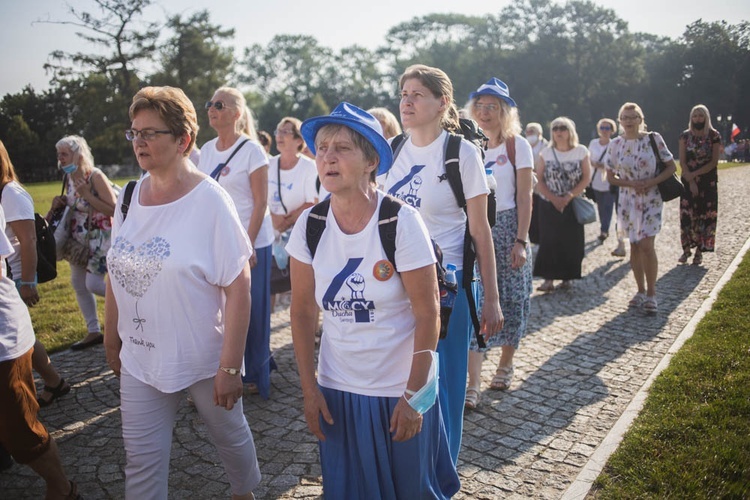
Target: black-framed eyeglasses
605	127
559	128
219	105
146	134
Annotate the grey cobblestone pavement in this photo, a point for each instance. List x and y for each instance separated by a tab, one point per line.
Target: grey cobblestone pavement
584	358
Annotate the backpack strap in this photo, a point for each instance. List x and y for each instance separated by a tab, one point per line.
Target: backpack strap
452	170
387	225
316	224
397	144
125	206
510	149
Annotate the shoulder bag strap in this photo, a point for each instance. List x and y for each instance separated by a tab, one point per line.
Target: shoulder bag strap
217	171
125	206
278	184
659	161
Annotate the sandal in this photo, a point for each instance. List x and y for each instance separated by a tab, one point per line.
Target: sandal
472	398
650	306
547	286
501	380
565	285
619	251
252	388
637	300
57	392
684	257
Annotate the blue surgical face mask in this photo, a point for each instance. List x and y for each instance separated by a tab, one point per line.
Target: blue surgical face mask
425	397
69	169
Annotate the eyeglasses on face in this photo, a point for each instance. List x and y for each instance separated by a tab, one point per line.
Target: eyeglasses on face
219	105
146	134
486	107
605	127
627	118
559	128
283	131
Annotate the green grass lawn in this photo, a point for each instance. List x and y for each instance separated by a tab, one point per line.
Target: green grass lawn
692	439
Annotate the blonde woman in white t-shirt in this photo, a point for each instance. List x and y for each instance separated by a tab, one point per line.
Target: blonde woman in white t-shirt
178	302
418	177
496	113
245	178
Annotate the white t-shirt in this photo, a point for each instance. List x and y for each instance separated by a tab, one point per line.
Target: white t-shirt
16	332
416	177
18	205
167	265
297	185
497	159
369	325
598	177
235	178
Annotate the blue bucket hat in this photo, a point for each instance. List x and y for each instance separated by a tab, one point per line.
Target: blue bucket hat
496	88
356	119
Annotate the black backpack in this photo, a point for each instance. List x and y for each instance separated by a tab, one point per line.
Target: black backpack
46	250
387	224
472	133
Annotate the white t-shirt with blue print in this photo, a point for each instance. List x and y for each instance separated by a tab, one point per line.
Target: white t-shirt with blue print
369	326
418	178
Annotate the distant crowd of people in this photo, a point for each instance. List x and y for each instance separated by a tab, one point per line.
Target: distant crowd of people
348	216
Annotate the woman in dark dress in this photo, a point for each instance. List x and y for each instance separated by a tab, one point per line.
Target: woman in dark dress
699	155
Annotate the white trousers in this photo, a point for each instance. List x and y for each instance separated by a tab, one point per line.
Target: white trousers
148	417
86	285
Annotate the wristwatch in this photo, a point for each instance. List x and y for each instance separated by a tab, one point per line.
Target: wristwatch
520	241
230	371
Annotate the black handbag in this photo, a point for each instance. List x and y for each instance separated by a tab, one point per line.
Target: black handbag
671	187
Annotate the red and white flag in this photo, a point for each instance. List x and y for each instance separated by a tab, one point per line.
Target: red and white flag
735	130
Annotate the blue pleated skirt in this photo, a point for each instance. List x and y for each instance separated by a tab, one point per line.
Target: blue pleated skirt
360	460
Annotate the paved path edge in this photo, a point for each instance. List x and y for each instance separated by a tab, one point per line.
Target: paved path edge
585	479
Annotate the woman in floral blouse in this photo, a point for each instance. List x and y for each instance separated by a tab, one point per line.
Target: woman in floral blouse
631	164
699	155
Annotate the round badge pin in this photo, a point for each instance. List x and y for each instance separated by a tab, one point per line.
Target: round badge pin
225	171
501	160
383	270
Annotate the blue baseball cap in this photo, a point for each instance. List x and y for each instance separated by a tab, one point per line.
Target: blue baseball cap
356	119
496	88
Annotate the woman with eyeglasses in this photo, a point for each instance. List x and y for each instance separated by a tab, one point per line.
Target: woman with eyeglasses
605	195
496	113
564	171
239	164
418	177
700	146
291	189
178	302
631	165
89	195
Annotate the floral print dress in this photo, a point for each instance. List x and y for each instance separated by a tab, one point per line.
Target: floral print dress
639	215
698	213
94	231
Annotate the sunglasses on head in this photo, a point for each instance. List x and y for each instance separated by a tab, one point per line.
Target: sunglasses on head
217	104
559	128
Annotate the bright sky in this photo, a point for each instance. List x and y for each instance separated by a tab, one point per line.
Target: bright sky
26	45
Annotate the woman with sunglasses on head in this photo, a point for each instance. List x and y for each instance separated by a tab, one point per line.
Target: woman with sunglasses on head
604	194
178	302
89	195
291	189
564	171
496	113
239	164
631	165
419	178
700	146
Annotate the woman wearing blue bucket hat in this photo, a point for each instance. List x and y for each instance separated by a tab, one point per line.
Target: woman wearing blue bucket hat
419	177
511	160
373	405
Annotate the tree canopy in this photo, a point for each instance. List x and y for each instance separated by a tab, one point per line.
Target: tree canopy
576	59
